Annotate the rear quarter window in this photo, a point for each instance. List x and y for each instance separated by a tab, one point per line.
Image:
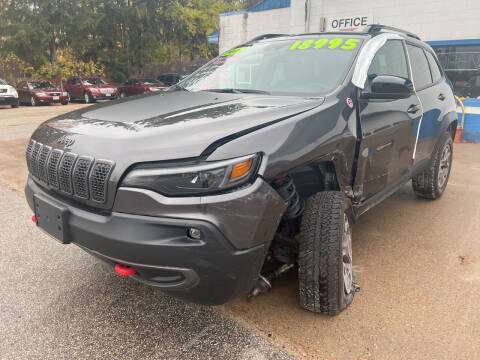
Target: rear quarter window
422	77
434	68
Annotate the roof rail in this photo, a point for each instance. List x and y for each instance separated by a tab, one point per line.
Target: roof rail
266	36
372	29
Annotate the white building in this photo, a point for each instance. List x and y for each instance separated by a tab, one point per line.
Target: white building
432	20
451	27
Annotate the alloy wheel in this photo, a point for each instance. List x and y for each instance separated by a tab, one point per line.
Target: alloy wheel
445	163
347	255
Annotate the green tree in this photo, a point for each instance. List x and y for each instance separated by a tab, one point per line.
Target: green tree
120	36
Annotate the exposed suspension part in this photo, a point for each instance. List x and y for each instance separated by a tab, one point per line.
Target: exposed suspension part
287	190
264	281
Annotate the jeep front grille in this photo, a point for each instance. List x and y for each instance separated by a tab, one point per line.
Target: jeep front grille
77	176
98	180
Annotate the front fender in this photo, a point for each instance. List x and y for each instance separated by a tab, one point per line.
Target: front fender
326	133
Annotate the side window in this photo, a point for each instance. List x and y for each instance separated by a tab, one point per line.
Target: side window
420	69
390	59
436	72
476	81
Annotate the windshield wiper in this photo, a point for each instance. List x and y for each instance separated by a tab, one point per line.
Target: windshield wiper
239	91
177	87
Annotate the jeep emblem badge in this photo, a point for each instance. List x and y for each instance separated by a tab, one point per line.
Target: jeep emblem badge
65	140
350	103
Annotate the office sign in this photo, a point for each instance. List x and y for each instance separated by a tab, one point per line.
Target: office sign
348	23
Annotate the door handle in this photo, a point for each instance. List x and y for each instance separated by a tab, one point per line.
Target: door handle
413	109
441	97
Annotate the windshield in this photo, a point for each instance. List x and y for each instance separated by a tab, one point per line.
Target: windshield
149	82
41	85
94	81
3	82
311	65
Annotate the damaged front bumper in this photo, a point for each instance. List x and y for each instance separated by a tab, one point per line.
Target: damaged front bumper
150	232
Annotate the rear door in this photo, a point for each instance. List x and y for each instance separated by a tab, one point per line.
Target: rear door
126	87
74	87
387	125
21	91
137	87
435	97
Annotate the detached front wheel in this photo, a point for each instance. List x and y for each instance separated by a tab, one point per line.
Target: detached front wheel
326	276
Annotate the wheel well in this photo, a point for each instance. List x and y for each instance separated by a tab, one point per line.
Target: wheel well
313	178
452	128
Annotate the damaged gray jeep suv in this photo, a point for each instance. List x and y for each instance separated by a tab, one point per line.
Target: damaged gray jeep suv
257	163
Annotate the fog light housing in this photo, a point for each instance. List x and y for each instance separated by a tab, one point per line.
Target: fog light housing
194	233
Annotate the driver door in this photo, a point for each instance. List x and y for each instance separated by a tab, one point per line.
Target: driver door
387	126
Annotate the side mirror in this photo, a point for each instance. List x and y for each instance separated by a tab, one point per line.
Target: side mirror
390	87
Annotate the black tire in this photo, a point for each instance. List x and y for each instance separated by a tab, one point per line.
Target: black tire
87	98
431	183
15	105
64	102
321	260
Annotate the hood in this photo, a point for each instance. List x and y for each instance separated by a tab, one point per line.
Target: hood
166	126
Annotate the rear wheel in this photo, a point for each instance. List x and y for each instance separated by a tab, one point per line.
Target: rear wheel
326	276
432	183
15	105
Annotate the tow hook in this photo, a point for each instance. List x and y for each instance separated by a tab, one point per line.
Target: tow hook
125	270
264	282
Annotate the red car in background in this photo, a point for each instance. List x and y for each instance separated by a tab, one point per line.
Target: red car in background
90	89
36	92
140	86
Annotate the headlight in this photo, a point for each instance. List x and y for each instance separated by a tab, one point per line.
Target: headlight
194	179
40	93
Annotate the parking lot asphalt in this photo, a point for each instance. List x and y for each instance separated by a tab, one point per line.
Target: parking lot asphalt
57	302
417	262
